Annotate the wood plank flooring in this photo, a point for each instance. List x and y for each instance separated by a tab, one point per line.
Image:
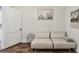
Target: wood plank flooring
26	48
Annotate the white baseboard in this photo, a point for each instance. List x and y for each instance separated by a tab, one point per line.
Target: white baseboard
24	41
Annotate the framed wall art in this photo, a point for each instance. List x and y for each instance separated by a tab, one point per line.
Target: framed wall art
74	18
45	14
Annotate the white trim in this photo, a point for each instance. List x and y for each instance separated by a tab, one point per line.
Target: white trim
24	41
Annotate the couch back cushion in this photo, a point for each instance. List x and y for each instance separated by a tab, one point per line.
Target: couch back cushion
42	35
58	35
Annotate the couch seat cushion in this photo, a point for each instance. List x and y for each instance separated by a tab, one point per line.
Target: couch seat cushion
42	44
63	44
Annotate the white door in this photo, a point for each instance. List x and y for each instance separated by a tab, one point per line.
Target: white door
13	25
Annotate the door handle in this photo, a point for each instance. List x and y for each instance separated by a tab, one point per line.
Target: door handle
20	29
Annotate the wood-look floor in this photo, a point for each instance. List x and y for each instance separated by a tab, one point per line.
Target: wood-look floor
26	48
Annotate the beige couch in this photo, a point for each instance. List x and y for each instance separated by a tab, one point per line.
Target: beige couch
42	41
56	40
60	42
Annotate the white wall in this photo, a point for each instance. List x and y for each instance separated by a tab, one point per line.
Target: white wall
1	32
32	24
0	17
72	32
0	29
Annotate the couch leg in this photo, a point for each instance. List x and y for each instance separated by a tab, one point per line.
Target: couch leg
69	49
31	50
35	50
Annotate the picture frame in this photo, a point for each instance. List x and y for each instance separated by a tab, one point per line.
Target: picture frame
45	14
74	18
